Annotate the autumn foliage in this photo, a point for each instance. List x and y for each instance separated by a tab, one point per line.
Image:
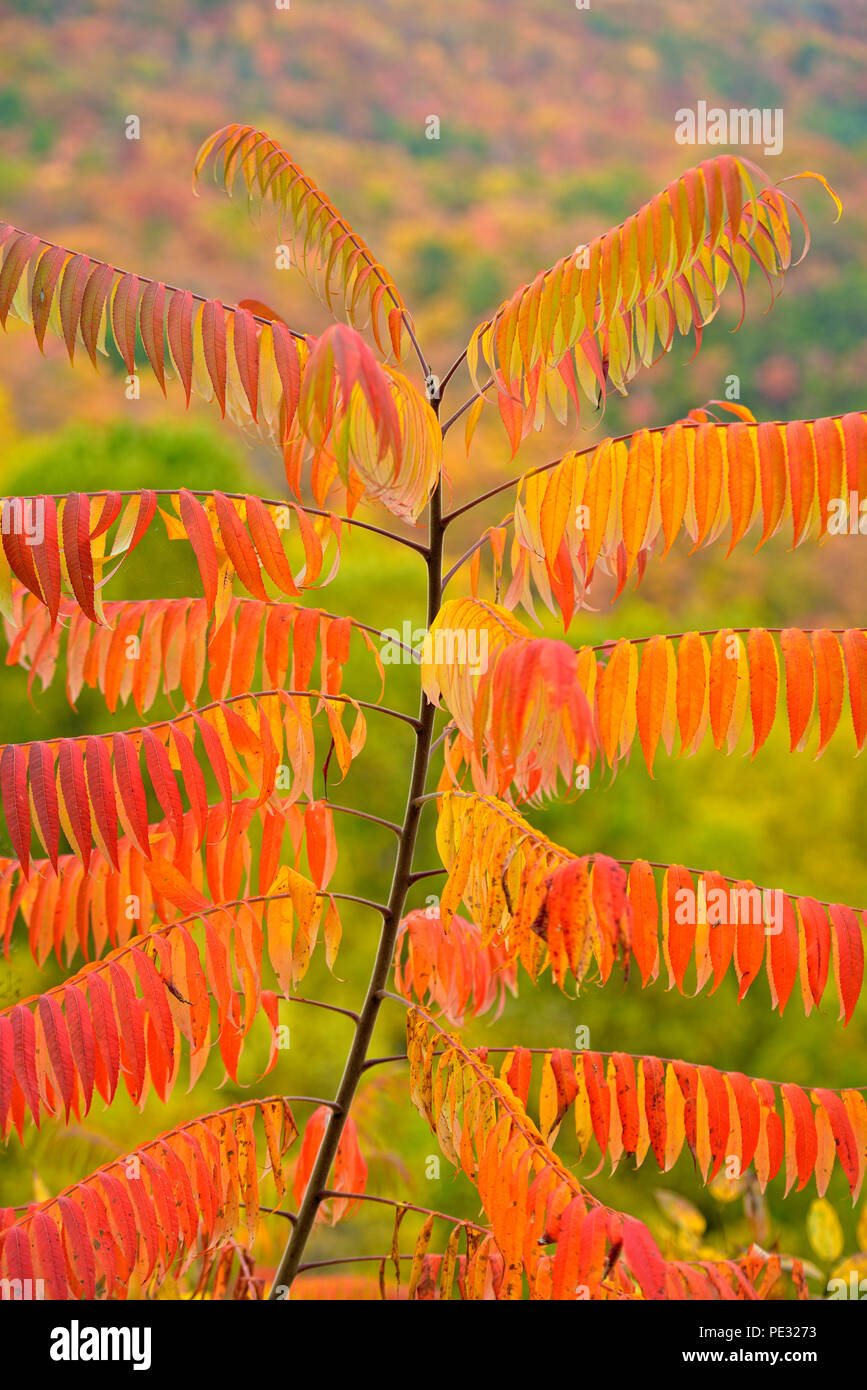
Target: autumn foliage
202	817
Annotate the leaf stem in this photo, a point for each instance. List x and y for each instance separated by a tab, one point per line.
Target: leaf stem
320	1004
257	695
241	497
425	873
597	1051
476	545
471	400
174	289
407	1206
362	815
380	1061
291	1261
545	467
365	902
345	1260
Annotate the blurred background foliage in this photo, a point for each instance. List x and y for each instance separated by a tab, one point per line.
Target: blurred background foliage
555	124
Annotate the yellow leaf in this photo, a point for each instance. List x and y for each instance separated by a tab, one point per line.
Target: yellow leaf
725	1189
681	1211
224	593
548	1102
333	932
279	916
824	1231
175	529
472	420
851	1264
40	1191
419	1253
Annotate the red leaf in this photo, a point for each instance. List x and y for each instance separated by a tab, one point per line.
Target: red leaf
350	1170
81	1039
152	325
147	508
817	936
156	998
83	1263
783	951
239	547
77	552
96	292
627	1100
44	791
201	538
194	781
654	1106
716	1094
127	771
179	325
314	1132
266	539
567	1258
644	1260
7	1063
16	807
844	1136
59	1050
855	649
599	1097
124	318
806	1143
101	788
107	1056
24	1038
214	345
73	789
520	1072
18	253
72	287
847	945
18	552
288	369
46	556
129	1017
593	1240
216	758
163	781
512	415
246	345
49	1255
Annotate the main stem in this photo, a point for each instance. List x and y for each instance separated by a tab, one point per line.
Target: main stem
401	880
